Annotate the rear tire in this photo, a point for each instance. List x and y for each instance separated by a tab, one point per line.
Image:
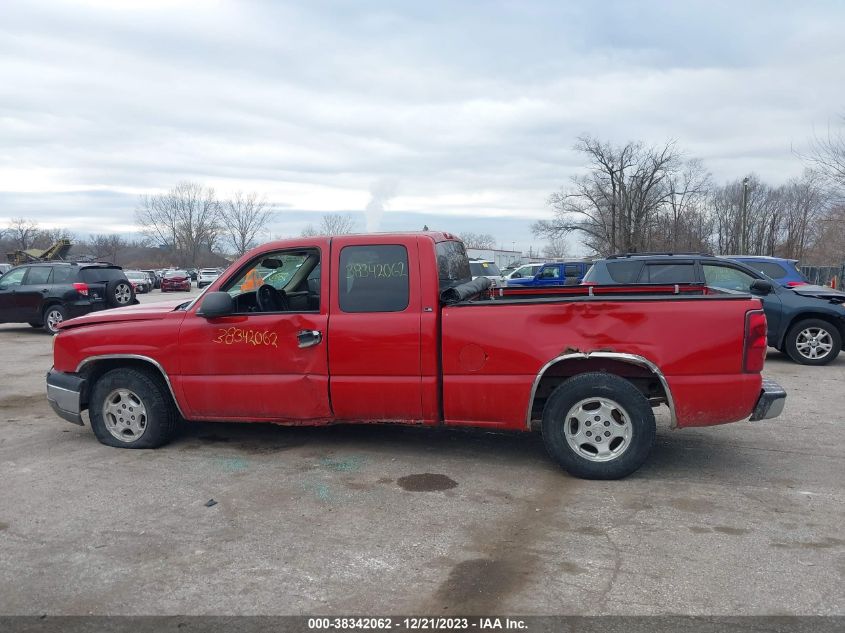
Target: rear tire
54	315
131	408
813	342
598	426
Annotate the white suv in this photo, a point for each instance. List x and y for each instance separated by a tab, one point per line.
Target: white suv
206	276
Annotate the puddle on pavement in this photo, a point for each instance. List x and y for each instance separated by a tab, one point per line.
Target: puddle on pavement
426	482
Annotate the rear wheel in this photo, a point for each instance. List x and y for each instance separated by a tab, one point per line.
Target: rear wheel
131	408
119	293
598	426
53	317
813	342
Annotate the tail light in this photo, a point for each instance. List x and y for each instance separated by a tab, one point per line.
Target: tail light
81	288
756	342
792	284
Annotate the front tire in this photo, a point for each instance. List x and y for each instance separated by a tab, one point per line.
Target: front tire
813	342
131	408
598	426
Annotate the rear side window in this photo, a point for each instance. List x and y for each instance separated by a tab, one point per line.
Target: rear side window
101	275
669	273
770	269
572	270
374	278
452	264
550	272
624	272
63	274
38	275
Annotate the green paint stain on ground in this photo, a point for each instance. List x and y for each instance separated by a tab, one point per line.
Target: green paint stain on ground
351	464
232	464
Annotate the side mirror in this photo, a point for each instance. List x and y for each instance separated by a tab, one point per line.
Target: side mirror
216	304
761	287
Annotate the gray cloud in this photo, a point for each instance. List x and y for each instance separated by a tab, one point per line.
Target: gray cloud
472	109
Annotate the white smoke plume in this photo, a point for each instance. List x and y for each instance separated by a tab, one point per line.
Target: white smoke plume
380	194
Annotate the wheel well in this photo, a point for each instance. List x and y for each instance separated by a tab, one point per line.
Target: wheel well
647	381
840	326
95	369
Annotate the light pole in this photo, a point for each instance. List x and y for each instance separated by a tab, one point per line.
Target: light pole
743	246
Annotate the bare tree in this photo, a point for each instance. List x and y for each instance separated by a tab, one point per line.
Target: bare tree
186	219
556	248
108	247
331	224
244	216
23	233
478	240
616	205
827	156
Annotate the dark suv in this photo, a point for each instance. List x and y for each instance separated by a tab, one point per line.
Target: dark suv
805	322
45	294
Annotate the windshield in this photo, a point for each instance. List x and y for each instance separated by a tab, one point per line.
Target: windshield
484	269
175	273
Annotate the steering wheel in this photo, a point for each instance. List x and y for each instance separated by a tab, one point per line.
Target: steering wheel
271	300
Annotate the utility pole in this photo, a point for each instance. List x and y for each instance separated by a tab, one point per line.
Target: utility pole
743	218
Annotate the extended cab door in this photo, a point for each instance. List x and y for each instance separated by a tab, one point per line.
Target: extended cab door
374	341
268	360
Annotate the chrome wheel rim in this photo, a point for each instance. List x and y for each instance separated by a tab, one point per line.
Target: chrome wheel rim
54	318
814	343
125	415
122	294
598	429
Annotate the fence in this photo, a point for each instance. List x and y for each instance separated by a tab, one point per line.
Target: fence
824	275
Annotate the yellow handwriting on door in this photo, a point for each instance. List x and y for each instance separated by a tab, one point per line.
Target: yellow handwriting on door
236	335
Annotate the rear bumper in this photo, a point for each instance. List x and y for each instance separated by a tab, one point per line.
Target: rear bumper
64	393
771	401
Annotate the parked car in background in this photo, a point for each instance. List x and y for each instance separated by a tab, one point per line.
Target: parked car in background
484	268
154	280
140	281
176	280
206	276
783	271
805	322
46	294
555	274
521	272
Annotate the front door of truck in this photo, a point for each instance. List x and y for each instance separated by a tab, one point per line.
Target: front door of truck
374	347
268	360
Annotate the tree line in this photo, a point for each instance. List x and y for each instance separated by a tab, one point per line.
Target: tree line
640	198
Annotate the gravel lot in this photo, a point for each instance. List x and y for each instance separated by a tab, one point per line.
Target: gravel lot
741	519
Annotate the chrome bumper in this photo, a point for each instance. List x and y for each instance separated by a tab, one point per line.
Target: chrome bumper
771	401
64	393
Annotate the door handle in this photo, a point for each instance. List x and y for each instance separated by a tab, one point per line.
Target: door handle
309	338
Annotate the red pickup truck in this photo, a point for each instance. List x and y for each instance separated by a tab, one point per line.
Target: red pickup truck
390	328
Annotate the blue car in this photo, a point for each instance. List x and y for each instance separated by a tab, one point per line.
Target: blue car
783	271
555	274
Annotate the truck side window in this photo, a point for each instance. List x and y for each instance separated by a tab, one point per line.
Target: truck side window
373	278
452	264
550	272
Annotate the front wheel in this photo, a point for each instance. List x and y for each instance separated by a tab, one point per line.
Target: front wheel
131	408
813	342
598	426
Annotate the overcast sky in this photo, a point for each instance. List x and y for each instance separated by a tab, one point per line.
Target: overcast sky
459	115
